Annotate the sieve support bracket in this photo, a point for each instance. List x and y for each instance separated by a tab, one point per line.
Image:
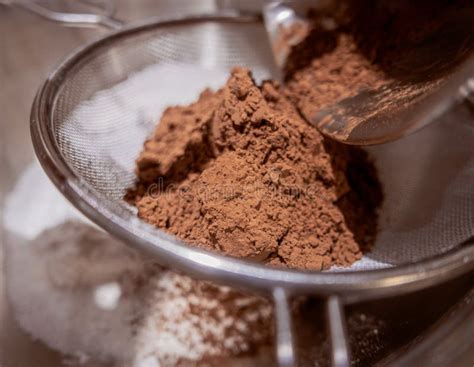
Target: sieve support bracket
340	353
285	346
285	340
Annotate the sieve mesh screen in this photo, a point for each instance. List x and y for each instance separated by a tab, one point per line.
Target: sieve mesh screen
110	102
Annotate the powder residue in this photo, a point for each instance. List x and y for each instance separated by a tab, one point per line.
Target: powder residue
240	172
190	322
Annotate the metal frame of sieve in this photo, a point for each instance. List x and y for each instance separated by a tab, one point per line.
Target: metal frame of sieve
337	289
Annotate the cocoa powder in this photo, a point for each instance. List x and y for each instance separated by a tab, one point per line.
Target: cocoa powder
408	48
240	172
337	70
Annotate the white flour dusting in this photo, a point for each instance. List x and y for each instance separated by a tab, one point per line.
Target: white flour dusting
84	293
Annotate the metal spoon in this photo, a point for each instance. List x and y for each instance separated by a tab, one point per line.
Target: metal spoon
398	108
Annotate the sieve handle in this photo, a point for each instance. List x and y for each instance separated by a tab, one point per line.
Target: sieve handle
69	18
285	341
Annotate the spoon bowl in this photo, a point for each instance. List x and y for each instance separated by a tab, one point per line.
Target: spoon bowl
424	80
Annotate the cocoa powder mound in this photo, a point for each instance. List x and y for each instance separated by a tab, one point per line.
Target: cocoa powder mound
240	172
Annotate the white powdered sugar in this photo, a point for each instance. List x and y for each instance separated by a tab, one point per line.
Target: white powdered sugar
35	205
84	293
51	282
209	328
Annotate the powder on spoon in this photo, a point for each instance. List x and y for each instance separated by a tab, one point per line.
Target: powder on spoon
240	172
399	47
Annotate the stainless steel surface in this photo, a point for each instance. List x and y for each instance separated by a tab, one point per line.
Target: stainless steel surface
279	19
447	343
401	107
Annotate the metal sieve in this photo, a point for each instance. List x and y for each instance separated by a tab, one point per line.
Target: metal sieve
91	116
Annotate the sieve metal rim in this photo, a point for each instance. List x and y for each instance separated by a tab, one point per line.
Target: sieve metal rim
352	286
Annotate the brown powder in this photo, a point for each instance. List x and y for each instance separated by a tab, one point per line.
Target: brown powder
404	47
338	72
241	172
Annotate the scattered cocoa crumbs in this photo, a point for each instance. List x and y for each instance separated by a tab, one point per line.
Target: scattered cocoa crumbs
240	172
